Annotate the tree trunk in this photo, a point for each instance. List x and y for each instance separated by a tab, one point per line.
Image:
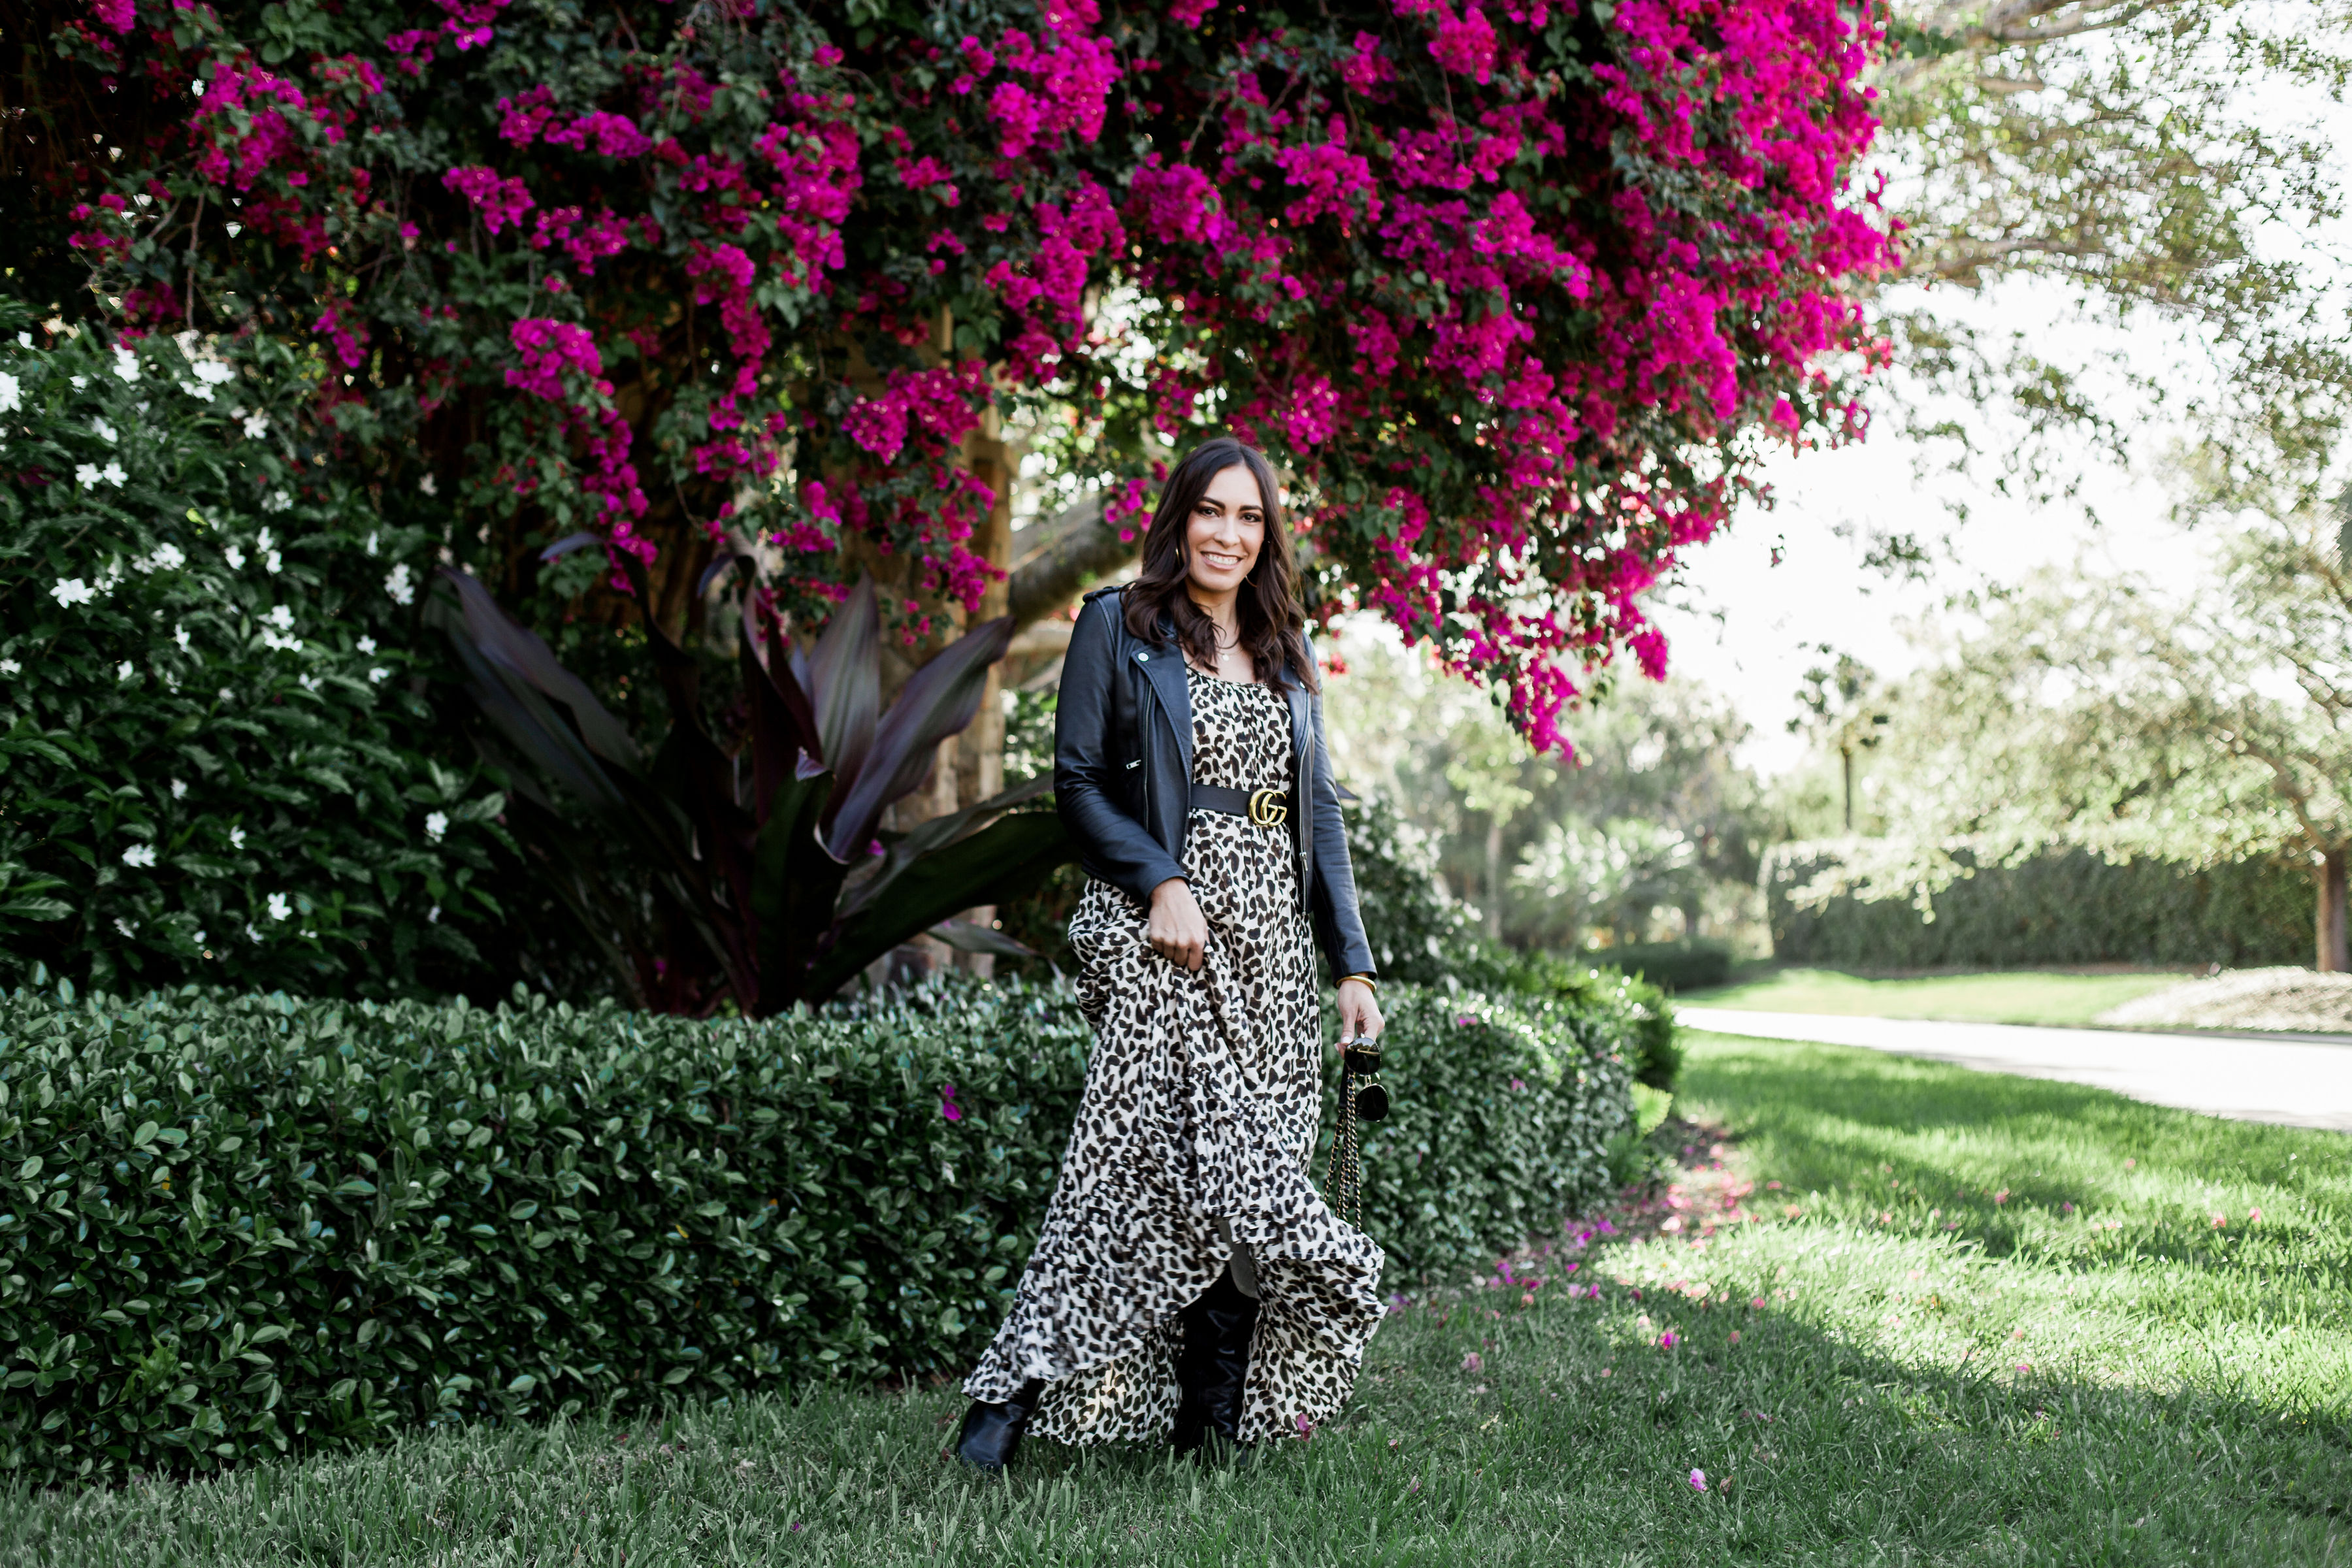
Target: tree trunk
2328	879
979	750
1845	755
1494	875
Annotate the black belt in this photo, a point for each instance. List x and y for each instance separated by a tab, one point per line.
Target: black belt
1266	808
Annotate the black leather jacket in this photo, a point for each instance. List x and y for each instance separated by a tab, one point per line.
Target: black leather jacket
1123	771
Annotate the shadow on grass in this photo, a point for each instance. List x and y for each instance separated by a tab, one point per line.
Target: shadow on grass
1814	1451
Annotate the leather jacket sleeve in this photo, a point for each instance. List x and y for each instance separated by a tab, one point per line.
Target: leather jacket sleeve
1113	844
1339	923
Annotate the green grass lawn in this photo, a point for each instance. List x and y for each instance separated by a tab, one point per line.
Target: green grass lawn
1949	1365
2012	996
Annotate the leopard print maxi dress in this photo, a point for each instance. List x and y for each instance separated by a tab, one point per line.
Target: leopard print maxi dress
1194	1136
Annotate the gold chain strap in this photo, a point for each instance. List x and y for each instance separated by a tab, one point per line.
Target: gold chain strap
1345	1176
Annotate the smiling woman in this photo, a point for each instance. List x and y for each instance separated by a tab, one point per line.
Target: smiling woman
1189	1279
1226	583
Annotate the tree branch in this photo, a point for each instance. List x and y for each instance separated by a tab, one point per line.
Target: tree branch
1079	547
1974	31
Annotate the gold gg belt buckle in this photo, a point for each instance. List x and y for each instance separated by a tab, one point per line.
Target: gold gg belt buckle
1266	809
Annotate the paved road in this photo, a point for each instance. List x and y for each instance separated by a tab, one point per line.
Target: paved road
2299	1083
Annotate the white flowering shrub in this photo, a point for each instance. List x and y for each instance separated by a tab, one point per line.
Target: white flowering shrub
213	761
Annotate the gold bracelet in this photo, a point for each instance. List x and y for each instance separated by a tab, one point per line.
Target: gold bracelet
1366	980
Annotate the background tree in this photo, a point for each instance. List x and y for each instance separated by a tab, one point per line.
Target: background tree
1652	829
2097	712
1481	766
2172	160
1841	704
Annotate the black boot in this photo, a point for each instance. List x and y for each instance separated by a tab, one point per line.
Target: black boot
1212	1365
990	1431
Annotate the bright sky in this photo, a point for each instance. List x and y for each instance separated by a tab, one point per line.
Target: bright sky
1750	629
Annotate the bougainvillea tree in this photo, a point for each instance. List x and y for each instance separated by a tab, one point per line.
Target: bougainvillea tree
1517	293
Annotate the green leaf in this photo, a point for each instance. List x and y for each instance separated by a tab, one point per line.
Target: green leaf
995	865
966	937
794	884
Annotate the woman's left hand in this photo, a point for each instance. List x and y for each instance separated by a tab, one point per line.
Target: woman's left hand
1360	1012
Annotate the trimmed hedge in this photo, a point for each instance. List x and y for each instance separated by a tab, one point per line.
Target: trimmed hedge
233	1227
1502	1114
1690	965
2067	908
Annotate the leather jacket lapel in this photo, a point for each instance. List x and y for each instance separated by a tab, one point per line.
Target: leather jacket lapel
1164	667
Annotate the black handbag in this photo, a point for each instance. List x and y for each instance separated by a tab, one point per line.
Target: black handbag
1362	1098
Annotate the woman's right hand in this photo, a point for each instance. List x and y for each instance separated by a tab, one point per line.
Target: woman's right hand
1177	930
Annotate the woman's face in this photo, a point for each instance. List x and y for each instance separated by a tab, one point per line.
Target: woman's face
1226	531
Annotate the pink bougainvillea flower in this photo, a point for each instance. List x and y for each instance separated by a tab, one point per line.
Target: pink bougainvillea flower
1698	1481
1472	1363
1666	1341
1614	260
948	1109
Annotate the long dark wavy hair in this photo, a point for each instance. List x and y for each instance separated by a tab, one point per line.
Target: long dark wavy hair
1272	623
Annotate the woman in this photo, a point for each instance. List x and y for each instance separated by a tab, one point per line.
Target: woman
1189	1278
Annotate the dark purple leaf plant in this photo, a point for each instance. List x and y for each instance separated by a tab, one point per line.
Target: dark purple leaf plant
759	872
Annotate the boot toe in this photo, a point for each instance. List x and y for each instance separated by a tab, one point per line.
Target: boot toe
991	1432
988	1438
